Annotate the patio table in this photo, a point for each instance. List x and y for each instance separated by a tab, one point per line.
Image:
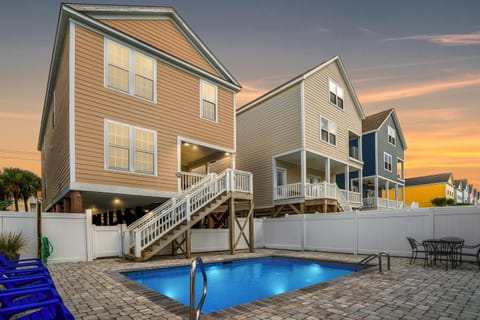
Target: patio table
446	248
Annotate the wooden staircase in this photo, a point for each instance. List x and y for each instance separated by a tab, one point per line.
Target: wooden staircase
161	226
173	234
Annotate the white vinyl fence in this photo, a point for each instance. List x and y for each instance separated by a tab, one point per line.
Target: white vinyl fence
373	231
74	238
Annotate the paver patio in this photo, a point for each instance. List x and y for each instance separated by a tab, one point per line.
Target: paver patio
96	290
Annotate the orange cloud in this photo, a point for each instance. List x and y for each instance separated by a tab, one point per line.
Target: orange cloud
12	115
415	90
445	39
249	92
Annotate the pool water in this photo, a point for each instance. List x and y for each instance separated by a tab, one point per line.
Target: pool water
240	281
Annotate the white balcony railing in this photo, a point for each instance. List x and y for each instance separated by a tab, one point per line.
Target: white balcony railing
188	179
382	203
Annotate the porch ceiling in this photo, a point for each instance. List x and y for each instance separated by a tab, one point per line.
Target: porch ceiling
192	154
102	201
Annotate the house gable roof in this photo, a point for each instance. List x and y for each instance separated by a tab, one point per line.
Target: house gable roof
431	179
302	77
88	15
374	122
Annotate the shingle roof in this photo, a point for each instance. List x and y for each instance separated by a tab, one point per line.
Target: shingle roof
436	178
374	121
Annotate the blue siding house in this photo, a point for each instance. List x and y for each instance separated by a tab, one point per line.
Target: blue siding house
383	156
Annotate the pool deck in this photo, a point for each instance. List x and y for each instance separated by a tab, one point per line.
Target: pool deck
96	290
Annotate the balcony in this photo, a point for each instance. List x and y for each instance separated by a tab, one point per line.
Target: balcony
381	203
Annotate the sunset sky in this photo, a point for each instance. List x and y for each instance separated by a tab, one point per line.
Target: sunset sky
420	57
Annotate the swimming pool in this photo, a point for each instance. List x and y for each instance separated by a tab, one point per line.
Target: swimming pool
240	281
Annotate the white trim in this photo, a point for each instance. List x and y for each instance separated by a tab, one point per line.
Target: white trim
385	162
376	153
132	149
71	102
234	121
302	112
78	186
330	157
54	111
131	70
202	81
288	152
164	57
386	179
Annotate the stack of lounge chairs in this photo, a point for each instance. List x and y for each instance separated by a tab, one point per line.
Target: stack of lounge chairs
28	292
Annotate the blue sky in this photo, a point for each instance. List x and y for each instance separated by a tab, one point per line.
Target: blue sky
420	57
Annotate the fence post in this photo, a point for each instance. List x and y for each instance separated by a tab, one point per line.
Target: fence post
187	207
250	183
227	181
138	242
356	231
89	234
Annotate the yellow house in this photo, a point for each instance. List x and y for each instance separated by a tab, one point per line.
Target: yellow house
425	188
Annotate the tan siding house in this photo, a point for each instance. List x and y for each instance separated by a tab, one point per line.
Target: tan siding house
302	142
141	106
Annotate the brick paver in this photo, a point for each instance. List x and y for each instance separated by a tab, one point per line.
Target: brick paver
96	290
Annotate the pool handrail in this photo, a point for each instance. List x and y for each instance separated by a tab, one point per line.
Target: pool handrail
372	256
195	311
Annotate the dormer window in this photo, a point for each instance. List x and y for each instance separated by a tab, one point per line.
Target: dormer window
336	93
392	136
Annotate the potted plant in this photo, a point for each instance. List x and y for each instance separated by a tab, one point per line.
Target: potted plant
11	244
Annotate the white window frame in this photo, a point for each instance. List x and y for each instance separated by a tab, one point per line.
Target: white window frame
333	83
201	100
385	162
336	131
131	147
392	133
131	70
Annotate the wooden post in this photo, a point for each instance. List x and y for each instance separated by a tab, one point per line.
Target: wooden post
251	227
232	225
188	244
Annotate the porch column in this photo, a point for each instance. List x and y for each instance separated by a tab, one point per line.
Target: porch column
360	185
347	178
76	202
233	162
303	171
387	187
396	193
375	185
327	170
274	180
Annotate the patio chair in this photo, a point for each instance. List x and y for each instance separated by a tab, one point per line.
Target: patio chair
414	244
39	303
24	281
471	254
21	262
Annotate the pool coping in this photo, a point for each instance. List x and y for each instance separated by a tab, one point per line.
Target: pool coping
180	309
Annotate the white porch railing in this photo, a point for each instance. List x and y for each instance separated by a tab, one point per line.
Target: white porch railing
161	220
323	190
188	179
382	203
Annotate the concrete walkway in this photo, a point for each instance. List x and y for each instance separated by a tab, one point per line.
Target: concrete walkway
96	290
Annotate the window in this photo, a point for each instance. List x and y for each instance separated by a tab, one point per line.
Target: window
328	131
208	101
130	148
129	71
400	169
392	136
336	93
387	162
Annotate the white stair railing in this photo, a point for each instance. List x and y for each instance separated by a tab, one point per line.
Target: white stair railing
156	226
342	200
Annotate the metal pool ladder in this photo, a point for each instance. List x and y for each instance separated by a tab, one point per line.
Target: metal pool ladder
370	257
195	312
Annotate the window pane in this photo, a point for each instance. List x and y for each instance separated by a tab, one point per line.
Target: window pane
325	135
208	92
324	124
144	140
144	162
333	139
332	86
117	55
118	158
143	66
340	102
339	92
208	110
333	98
118	135
143	87
117	78
332	127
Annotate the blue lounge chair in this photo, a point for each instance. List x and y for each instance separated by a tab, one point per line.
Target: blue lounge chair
12	282
4	262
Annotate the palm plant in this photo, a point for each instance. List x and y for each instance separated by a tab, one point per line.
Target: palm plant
11	244
11	179
31	183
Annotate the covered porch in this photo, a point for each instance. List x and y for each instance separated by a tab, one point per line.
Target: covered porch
305	181
197	159
380	193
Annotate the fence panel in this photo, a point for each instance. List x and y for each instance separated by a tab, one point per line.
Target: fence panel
107	241
331	232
